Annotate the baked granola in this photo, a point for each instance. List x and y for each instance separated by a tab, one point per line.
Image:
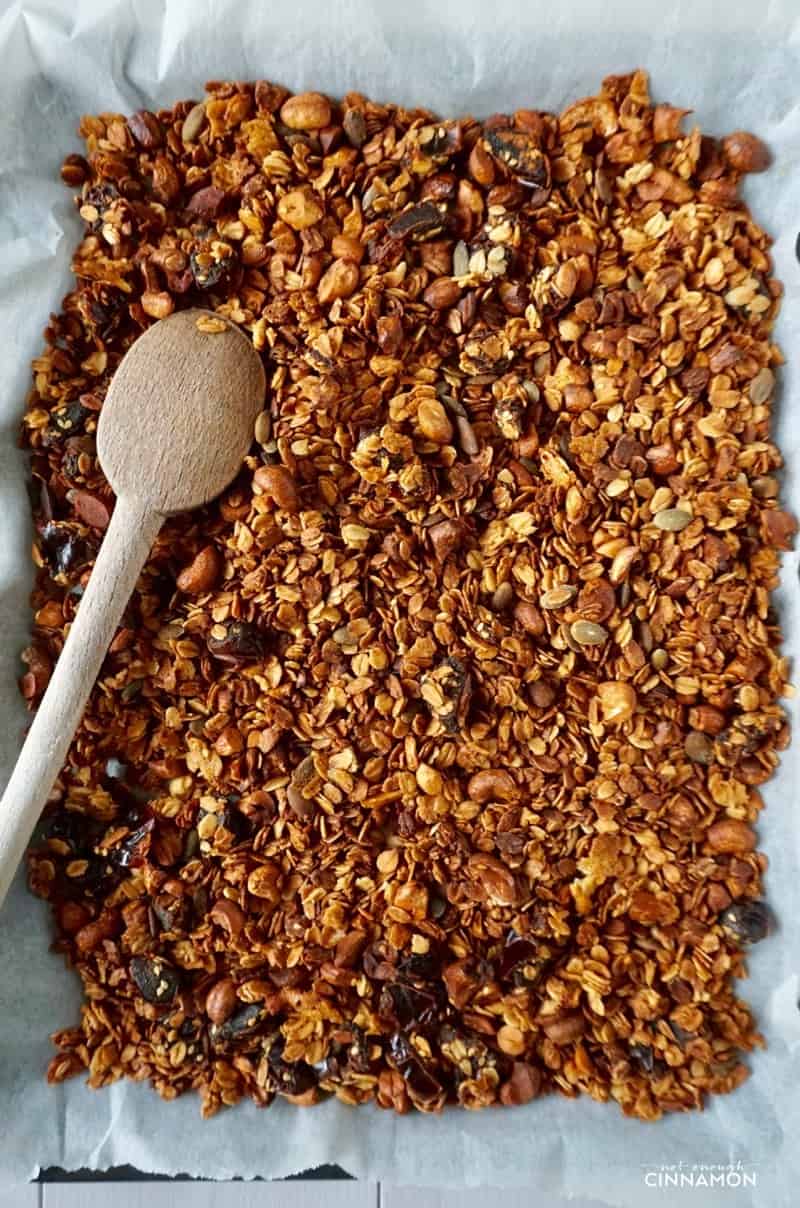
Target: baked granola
425	764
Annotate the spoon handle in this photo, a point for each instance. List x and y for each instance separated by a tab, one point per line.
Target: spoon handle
125	549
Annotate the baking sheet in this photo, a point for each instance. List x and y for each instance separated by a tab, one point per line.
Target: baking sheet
737	64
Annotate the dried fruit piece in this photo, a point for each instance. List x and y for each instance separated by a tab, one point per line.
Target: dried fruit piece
522	155
523	1085
238	640
155	979
747	921
419	222
240	1028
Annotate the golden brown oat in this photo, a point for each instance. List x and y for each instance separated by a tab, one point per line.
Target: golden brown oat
425	765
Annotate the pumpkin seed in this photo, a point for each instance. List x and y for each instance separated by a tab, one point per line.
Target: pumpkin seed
557	597
587	633
193	122
762	386
466	436
672	520
502	597
263	427
699	747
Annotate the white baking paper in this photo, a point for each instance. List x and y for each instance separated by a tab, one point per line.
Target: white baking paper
737	64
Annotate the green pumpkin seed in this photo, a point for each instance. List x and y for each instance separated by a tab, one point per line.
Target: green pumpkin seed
699	747
557	597
193	123
587	633
672	520
762	386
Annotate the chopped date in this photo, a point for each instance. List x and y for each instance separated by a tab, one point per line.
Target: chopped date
522	155
68	420
172	913
425	1090
210	272
99	198
243	1025
241	641
79	831
441	142
386	252
64	549
522	960
420	966
132	851
420	222
647	1061
355	127
359	1050
378	961
157	981
289	1077
232	819
104	309
411	1005
98	879
747	922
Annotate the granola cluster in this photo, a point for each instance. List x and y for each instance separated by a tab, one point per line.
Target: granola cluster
425	765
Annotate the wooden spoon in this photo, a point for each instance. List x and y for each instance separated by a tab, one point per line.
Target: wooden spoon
175	426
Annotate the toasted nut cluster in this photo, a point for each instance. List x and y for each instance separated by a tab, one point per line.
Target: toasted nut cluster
424	767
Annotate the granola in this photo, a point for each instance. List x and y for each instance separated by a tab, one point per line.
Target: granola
425	764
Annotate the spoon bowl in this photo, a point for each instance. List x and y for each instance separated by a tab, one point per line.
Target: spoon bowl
178	417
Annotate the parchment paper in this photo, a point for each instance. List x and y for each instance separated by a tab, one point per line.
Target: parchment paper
738	65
